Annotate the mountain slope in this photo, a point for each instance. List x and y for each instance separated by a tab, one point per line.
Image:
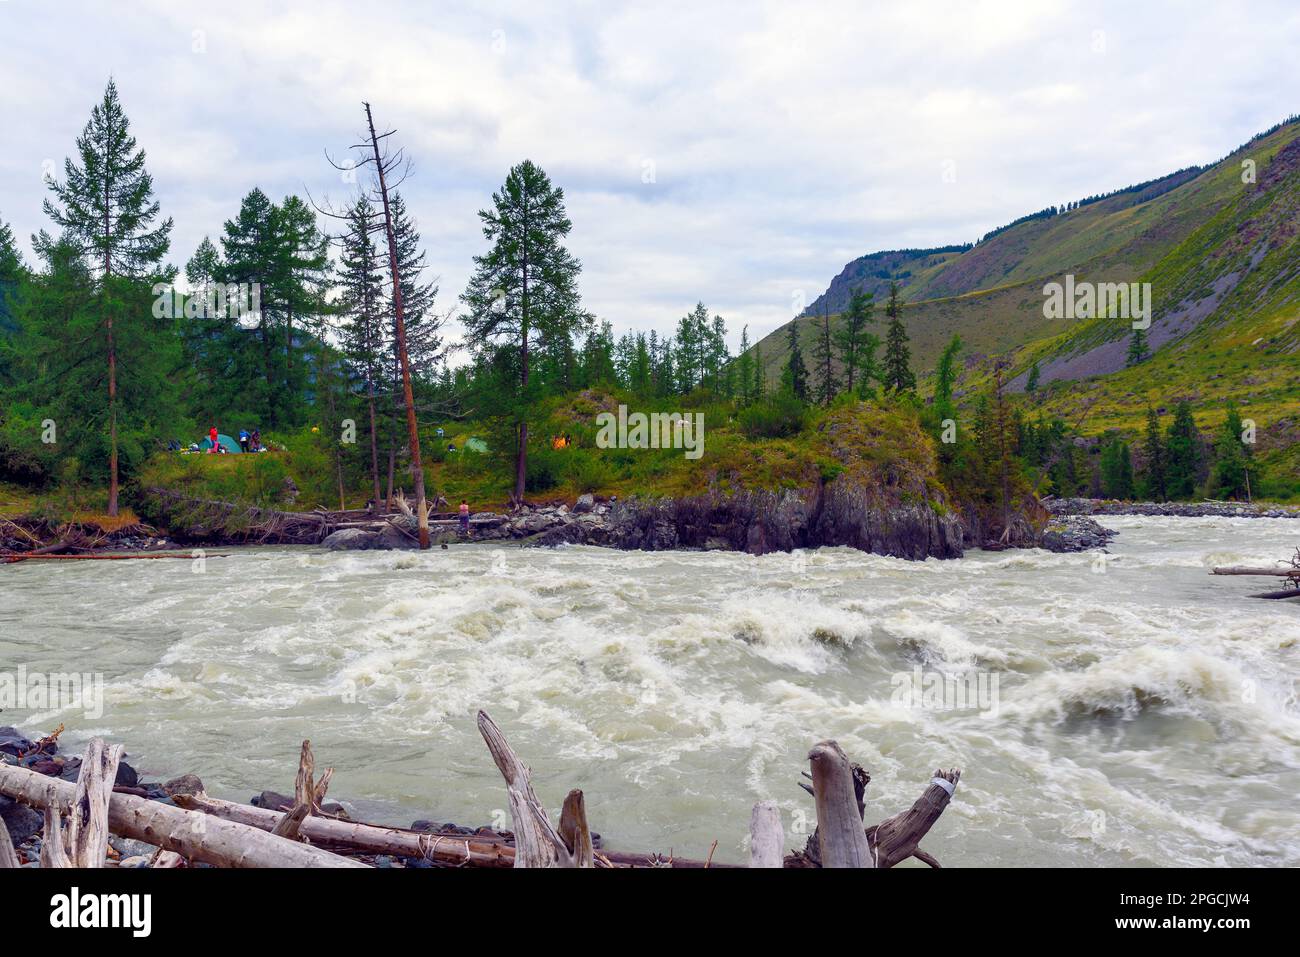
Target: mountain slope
1220	255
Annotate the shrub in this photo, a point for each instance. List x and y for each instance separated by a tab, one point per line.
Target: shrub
588	471
777	416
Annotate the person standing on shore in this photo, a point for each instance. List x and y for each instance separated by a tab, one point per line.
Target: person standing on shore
212	437
464	518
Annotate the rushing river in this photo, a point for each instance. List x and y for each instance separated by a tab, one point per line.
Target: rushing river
1136	711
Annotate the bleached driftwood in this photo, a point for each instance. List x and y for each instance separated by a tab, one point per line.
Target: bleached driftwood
839	786
8	856
537	843
766	837
841	839
194	836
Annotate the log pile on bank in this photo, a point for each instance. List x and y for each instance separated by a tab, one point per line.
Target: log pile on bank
93	811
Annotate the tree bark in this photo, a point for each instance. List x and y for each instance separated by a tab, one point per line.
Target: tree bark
841	839
897	838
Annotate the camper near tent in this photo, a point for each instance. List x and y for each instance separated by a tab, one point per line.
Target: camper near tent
227	443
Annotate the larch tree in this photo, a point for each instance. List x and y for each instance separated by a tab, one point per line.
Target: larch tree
525	287
105	207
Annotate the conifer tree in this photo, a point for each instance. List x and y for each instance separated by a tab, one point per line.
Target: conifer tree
525	286
1184	453
898	375
106	210
745	369
364	323
795	377
1137	348
945	378
1232	457
824	360
1156	481
852	338
1117	470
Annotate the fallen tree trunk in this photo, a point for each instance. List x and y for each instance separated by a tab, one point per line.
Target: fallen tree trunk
455	849
442	848
1276	572
198	838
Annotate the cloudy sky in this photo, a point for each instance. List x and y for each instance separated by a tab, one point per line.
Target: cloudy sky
737	154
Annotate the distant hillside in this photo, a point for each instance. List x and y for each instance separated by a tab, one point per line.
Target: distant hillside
1221	255
874	272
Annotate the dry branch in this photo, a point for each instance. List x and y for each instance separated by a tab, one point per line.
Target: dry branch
536	842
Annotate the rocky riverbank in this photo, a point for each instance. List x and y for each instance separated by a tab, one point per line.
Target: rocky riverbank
754	522
1094	506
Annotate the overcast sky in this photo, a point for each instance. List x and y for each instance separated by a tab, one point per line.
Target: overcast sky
738	154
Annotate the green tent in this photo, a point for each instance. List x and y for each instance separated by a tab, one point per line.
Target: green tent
229	444
475	445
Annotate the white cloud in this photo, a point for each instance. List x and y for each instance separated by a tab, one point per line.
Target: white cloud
785	139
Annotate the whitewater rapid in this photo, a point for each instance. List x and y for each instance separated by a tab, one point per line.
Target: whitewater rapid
1146	712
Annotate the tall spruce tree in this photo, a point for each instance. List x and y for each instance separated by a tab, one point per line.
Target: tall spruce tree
1156	478
824	360
525	286
898	376
105	209
1184	453
795	377
1231	457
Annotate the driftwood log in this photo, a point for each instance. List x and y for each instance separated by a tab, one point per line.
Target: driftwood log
193	836
207	830
537	843
8	857
766	837
1291	573
839	789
